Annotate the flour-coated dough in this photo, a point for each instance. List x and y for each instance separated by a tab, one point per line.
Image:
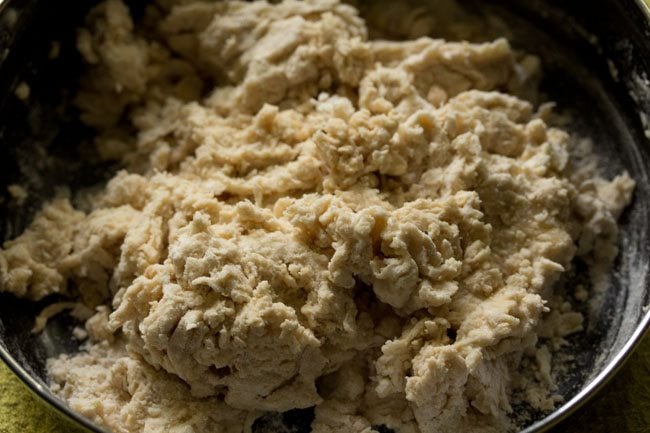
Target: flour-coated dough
367	227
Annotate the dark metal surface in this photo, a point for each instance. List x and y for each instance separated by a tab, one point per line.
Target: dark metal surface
595	57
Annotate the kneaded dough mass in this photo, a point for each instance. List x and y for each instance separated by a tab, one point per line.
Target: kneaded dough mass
310	218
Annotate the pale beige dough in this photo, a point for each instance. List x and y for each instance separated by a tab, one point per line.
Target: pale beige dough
367	227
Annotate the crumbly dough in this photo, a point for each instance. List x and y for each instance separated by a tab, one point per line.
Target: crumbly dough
310	218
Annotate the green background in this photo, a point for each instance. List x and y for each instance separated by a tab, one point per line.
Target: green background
623	406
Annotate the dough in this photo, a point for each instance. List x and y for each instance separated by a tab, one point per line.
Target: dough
310	218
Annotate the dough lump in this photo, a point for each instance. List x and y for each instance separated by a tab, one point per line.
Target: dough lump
308	218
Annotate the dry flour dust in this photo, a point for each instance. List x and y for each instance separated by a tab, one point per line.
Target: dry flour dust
311	218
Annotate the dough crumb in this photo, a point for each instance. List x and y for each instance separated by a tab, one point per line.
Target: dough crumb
18	193
22	91
79	311
55	50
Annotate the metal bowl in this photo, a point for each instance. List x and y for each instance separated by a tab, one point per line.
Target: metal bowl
596	59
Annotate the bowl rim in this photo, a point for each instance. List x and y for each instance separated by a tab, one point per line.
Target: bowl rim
587	393
38	389
644	5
